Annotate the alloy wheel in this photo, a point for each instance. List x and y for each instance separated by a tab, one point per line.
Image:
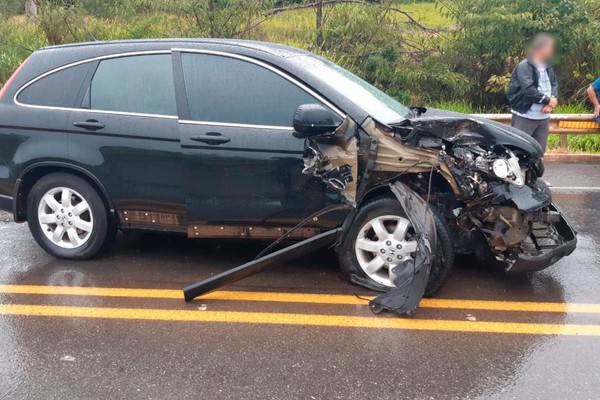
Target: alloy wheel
383	243
65	218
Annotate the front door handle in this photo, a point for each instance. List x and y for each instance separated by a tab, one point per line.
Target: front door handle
213	138
89	125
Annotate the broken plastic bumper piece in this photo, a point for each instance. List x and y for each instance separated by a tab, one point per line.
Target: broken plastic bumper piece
550	254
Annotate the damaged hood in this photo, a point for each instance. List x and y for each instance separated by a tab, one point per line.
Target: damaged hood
464	129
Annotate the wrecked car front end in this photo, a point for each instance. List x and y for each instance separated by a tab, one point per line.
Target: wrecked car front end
502	209
482	177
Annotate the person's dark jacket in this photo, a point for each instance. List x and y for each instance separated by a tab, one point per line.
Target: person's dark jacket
523	87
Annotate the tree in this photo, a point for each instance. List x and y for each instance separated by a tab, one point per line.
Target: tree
59	21
492	36
216	18
31	8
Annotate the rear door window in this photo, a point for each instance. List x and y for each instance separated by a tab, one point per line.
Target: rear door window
134	84
228	90
58	89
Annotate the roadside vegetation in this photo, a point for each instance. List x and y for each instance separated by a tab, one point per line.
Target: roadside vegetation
454	54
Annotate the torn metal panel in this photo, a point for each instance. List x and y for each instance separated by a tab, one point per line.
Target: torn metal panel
133	217
465	130
395	156
333	158
412	275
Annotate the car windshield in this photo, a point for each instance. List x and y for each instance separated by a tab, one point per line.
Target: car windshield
376	103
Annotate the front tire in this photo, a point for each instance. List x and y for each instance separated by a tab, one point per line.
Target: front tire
67	217
381	237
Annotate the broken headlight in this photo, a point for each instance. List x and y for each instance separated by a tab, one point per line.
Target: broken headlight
506	168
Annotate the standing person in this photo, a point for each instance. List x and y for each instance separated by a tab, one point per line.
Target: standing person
593	92
533	90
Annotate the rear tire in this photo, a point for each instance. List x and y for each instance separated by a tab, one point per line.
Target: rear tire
390	213
68	218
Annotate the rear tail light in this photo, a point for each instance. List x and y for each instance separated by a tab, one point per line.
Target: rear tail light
9	81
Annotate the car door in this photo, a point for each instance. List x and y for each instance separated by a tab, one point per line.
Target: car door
242	164
126	134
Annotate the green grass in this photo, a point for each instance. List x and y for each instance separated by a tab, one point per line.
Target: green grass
294	27
458	106
429	14
291	28
572	109
17	38
577	143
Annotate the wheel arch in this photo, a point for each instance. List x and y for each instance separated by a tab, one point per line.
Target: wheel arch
373	193
33	173
380	191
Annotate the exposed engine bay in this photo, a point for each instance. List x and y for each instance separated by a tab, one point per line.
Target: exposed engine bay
483	177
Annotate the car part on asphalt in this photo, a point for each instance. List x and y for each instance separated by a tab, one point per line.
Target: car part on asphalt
289	253
411	275
264	259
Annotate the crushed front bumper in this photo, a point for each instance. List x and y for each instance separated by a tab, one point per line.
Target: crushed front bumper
528	263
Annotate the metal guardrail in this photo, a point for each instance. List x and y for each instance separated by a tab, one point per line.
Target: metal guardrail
560	124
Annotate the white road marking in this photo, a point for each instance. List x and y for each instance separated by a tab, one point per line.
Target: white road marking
579	188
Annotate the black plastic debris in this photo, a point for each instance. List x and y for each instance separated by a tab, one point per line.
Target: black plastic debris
411	275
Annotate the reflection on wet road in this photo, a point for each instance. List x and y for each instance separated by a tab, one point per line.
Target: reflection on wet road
117	326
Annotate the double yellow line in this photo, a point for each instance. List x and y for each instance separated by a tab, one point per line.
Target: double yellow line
277	297
298	319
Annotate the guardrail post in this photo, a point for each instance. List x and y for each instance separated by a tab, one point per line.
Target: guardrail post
563	144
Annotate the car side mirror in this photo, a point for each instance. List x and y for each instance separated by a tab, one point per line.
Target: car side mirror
314	120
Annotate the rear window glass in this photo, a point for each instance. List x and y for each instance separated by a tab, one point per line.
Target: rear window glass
58	89
135	84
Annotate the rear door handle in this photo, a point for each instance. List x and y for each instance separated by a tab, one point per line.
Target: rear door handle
213	138
90	125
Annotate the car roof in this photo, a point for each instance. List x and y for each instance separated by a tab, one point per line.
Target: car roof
159	44
295	62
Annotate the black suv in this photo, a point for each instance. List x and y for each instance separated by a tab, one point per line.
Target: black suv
238	139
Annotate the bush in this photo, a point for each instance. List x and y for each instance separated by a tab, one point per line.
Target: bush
18	38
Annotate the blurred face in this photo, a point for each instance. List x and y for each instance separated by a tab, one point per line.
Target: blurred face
545	52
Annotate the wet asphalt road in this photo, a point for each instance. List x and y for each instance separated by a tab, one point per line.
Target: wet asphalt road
148	344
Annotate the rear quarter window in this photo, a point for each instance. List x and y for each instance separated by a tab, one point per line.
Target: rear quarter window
58	89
